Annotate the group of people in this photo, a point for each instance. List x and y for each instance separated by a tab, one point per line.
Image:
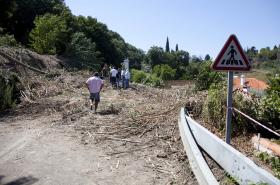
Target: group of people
119	78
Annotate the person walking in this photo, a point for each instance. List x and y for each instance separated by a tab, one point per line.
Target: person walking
114	73
94	85
110	76
104	71
119	78
127	78
123	77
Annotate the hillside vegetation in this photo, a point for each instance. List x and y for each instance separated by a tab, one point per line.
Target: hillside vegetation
265	62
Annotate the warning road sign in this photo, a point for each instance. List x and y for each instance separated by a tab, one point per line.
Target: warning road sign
231	57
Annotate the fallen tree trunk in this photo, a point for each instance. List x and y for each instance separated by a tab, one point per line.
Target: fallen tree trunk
7	56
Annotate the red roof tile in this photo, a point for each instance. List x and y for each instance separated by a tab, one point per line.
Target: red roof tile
251	82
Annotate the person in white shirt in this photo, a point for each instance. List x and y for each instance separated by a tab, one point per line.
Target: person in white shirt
122	77
114	73
94	85
127	78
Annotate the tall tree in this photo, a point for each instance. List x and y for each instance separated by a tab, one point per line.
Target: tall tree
176	48
7	9
155	56
251	52
264	54
182	59
207	57
110	44
83	50
274	51
167	46
135	56
22	14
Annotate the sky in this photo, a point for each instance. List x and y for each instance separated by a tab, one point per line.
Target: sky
198	26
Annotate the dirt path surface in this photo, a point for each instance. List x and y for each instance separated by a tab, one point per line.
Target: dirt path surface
133	139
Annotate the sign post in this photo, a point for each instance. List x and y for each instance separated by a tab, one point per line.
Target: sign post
229	106
231	58
126	64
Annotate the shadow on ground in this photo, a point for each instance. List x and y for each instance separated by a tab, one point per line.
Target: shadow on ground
20	181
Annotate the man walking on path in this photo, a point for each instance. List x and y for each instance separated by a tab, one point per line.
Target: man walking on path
94	85
114	73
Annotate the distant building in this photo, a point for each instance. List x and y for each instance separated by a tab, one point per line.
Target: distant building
249	85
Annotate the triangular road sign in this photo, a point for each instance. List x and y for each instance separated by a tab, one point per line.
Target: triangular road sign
231	57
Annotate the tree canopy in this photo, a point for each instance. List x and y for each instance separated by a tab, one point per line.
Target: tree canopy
49	27
48	35
20	15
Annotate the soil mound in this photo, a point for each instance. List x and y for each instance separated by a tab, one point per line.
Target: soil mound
8	55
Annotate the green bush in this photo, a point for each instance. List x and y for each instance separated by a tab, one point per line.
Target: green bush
153	81
146	78
272	161
267	110
138	76
190	72
8	40
164	72
193	70
270	104
247	105
207	76
214	109
49	34
9	91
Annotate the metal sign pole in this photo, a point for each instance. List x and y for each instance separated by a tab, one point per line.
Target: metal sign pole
229	106
231	58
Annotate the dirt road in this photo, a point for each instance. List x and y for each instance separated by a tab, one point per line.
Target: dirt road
133	139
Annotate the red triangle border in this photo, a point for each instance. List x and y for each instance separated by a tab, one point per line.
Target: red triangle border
217	60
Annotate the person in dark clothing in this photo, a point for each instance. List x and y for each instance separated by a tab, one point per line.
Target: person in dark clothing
118	78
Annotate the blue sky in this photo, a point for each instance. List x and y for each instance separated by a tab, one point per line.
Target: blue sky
198	26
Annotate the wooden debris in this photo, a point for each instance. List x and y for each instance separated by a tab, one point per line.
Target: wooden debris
130	151
119	139
117	165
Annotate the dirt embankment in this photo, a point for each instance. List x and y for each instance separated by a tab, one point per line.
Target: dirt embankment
12	58
17	66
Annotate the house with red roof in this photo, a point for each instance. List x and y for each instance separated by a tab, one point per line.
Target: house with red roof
249	85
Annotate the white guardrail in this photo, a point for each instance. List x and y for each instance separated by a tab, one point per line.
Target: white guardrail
198	164
241	168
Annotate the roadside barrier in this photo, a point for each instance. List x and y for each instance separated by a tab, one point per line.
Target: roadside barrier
241	168
198	164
